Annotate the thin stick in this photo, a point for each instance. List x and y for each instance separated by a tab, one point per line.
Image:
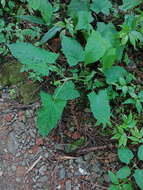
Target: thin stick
33	165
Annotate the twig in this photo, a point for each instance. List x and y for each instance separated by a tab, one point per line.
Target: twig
33	165
91	149
66	158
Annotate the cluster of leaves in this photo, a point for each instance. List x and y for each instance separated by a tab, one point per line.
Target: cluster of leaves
91	49
122	179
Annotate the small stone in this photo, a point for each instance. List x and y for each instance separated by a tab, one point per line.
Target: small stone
12	144
43	179
68	185
79	160
39	141
82	171
20	171
106	178
31	132
88	156
46	155
62	173
13	167
1	173
42	170
18	179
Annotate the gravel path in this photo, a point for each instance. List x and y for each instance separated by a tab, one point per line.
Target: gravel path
28	162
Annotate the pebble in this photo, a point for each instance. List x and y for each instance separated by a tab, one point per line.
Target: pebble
43	179
18	179
42	170
12	144
106	178
13	167
62	173
68	185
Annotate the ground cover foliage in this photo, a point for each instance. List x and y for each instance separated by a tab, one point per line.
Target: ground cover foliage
97	56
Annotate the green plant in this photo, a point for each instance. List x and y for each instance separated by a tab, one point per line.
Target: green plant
122	179
122	132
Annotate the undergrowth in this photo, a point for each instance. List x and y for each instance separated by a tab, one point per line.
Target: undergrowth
96	45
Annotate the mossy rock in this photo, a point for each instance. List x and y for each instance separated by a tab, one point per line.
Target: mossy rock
10	74
29	92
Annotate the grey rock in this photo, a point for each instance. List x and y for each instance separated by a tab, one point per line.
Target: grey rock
106	178
18	179
42	170
88	156
32	133
79	160
12	144
46	155
13	167
62	173
68	185
43	179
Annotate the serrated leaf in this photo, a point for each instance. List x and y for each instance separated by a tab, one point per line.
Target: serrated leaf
101	6
49	114
113	74
125	155
138	175
72	50
84	20
66	92
34	58
95	48
50	34
140	152
113	178
124	172
100	107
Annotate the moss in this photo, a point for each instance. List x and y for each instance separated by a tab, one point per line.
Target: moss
29	92
10	74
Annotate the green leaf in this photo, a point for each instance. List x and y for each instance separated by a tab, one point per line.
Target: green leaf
46	10
101	6
72	50
140	152
84	20
100	107
125	155
95	48
129	101
66	92
34	4
33	19
123	140
76	6
114	187
124	172
50	34
129	4
109	58
49	114
113	178
113	74
33	58
127	187
138	175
